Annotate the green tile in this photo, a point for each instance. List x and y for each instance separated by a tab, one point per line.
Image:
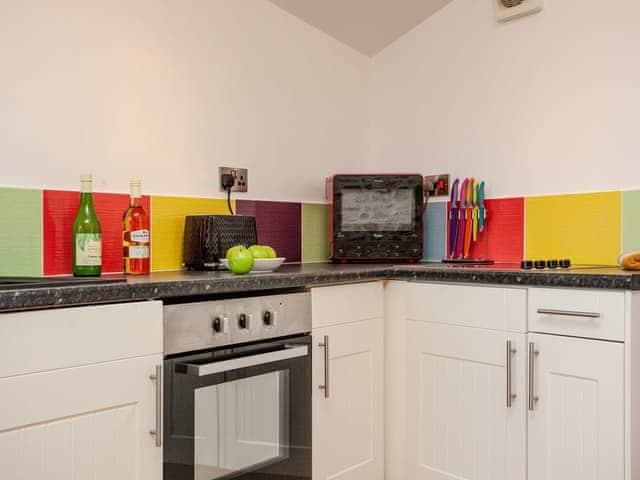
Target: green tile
631	221
315	243
20	232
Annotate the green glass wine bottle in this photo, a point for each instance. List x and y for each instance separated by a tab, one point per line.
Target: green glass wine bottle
87	235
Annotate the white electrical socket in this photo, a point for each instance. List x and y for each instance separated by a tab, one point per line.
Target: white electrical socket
240	174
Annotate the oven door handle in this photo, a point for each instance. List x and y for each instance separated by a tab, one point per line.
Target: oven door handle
289	352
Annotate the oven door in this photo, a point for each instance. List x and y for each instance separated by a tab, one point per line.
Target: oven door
241	413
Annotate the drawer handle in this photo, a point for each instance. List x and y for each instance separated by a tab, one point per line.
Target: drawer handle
568	313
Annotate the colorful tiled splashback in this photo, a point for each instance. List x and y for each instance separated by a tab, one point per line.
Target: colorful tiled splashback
35	232
588	228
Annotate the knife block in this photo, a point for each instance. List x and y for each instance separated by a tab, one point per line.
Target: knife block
478	250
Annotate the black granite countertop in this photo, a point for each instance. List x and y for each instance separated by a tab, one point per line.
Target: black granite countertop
167	285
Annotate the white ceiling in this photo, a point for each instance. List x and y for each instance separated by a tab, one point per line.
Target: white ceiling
366	25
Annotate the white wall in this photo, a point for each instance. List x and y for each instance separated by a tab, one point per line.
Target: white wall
545	104
171	89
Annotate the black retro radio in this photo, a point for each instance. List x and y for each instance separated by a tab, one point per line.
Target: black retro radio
376	217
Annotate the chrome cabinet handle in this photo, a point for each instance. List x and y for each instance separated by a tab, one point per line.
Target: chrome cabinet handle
568	313
510	395
157	378
325	344
532	373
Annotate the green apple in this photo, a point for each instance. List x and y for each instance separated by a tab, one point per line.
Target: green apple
240	261
259	251
230	251
271	252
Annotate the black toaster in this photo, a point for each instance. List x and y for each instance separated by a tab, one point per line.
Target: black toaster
208	237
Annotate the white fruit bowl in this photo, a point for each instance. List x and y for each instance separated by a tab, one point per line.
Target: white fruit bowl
260	265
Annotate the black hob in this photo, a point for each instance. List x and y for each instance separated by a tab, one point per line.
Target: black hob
15	283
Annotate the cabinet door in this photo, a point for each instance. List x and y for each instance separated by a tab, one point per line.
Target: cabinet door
348	424
80	423
576	427
458	423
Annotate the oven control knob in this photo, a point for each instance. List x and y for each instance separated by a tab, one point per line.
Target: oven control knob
217	325
243	321
267	318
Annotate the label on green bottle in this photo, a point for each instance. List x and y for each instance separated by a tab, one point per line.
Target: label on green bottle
88	249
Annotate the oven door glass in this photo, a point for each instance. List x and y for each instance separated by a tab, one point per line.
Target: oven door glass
241	425
241	413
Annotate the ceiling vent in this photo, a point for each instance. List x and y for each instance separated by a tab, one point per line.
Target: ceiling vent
509	9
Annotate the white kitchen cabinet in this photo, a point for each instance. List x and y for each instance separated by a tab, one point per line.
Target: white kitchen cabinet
348	439
90	416
445	391
459	425
82	422
446	378
576	426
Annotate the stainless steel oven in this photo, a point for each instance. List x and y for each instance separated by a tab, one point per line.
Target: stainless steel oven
237	389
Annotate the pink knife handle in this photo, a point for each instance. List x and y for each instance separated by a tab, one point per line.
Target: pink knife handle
463	194
462	213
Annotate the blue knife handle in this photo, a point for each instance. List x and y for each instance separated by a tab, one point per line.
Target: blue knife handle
482	216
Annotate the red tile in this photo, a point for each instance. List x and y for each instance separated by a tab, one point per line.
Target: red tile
278	225
59	210
503	237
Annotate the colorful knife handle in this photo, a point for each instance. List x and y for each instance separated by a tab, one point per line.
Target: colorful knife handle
467	232
453	231
475	223
460	237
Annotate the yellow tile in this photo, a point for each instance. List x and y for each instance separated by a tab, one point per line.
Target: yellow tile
583	227
167	218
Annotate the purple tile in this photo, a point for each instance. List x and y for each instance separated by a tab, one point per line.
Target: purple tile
278	224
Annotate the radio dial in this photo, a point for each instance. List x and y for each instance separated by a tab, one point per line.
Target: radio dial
267	318
243	321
